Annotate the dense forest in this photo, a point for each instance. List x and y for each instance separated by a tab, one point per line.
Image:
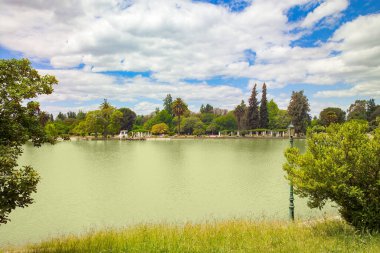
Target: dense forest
176	118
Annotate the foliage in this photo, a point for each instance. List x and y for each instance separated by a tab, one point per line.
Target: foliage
212	128
226	122
222	236
160	128
207	118
340	165
191	123
273	112
332	115
263	108
298	110
253	110
18	124
206	109
128	119
61	116
168	101
179	108
240	112
357	110
51	131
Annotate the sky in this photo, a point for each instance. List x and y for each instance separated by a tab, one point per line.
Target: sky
134	52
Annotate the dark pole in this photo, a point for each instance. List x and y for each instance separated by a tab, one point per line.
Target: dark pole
291	198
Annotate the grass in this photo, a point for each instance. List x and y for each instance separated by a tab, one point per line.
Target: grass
227	236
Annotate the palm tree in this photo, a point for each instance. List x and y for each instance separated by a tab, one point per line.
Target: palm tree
179	108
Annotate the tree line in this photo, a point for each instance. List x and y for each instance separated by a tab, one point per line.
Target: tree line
176	118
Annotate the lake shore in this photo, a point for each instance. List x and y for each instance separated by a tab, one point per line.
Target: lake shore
184	137
223	236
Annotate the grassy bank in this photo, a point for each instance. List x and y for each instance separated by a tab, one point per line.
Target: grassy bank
229	236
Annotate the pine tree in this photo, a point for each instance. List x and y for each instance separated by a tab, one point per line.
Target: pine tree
168	101
253	111
263	109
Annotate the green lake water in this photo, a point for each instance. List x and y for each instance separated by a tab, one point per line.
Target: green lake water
89	185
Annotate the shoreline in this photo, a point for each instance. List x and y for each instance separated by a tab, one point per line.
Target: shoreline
190	137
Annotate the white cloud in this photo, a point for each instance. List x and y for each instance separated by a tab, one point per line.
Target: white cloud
329	8
78	85
181	39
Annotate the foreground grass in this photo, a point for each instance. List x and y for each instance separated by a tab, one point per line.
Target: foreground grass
228	236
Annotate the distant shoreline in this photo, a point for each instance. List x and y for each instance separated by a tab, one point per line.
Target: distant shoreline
190	137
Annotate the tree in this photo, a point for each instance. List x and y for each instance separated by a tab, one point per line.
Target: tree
179	108
160	128
168	101
61	116
207	118
253	111
240	111
206	109
357	110
226	122
71	115
199	128
19	82
263	109
190	123
371	107
283	119
340	165
332	115
81	115
128	119
298	110
273	114
51	131
212	128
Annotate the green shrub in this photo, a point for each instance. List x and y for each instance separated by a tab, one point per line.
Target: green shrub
160	128
340	165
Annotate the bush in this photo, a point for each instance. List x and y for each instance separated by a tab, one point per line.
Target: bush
65	137
161	128
340	165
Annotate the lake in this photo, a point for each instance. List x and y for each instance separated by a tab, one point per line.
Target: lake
95	184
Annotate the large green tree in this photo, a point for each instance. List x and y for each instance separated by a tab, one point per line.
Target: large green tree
273	114
19	83
357	110
253	119
106	120
332	115
226	122
240	111
341	165
263	108
179	108
298	110
128	119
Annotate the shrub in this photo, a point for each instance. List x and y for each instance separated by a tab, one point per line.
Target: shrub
160	128
340	165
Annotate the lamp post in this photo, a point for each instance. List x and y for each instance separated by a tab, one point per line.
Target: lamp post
291	197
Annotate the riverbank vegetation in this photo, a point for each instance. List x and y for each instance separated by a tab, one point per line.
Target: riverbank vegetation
341	165
225	236
258	116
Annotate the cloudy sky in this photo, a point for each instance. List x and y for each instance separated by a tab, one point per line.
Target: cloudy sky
134	52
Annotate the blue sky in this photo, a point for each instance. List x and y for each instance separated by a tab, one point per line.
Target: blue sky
134	52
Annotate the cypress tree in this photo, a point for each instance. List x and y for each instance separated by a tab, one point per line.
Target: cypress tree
264	109
253	111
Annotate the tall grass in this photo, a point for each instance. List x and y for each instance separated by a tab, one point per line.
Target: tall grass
228	236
